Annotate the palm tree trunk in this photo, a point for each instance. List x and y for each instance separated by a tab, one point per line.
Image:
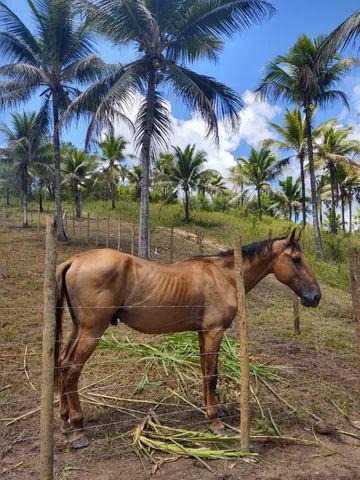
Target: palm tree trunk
303	191
145	167
342	212
320	211
78	201
259	203
350	212
41	209
333	199
113	196
7	199
317	236
290	213
24	194
186	206
60	232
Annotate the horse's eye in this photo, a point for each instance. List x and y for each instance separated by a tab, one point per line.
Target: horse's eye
296	260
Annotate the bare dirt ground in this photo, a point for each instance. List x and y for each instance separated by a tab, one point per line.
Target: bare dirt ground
317	368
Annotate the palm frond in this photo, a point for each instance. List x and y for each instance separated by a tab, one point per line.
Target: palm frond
211	99
161	127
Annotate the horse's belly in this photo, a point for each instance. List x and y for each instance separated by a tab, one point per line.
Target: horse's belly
153	320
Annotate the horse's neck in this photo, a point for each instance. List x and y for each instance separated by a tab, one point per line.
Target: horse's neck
255	268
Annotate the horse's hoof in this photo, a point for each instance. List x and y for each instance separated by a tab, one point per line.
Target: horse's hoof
217	427
80	442
66	428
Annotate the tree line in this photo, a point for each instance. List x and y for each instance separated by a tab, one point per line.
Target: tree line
56	60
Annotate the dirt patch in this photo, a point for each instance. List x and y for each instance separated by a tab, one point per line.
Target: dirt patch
317	369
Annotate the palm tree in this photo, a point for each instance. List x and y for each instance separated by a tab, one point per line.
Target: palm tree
25	140
53	57
212	184
113	154
322	193
293	137
306	78
187	173
334	149
169	36
78	169
288	196
347	180
134	177
163	165
259	169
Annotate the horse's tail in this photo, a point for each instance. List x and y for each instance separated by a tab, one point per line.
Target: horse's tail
60	294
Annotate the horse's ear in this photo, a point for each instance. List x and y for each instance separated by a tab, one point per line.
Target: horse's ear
294	235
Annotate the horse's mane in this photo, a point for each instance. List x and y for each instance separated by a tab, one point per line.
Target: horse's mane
248	251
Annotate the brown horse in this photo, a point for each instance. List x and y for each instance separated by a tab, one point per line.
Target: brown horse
197	294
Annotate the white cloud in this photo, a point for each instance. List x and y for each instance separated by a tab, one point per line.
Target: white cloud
253	129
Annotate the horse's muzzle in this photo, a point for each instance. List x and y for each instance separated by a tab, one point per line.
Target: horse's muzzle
311	298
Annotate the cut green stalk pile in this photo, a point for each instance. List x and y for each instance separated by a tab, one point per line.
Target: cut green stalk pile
150	435
179	354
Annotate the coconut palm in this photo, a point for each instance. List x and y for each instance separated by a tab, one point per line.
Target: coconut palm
113	155
237	179
347	180
78	169
335	148
211	184
24	140
308	79
168	36
53	58
187	174
259	169
134	177
163	165
288	197
322	193
293	137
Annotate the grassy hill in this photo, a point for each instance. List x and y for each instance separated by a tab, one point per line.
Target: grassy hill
222	227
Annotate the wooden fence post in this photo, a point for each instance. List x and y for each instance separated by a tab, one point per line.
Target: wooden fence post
97	230
4	217
118	233
132	237
73	223
88	228
172	245
107	232
244	350
296	313
66	222
48	344
39	219
354	263
199	239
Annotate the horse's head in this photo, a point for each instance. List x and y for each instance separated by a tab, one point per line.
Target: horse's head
292	268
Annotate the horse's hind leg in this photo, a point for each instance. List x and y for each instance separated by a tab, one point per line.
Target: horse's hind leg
212	343
84	346
63	400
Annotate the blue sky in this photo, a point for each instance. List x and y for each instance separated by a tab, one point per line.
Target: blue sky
240	66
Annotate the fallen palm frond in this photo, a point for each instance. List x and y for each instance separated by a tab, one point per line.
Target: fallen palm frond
150	435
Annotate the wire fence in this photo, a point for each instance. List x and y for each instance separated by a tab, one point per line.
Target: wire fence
167	245
97	231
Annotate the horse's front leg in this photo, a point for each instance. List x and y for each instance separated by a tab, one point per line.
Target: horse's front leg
212	341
